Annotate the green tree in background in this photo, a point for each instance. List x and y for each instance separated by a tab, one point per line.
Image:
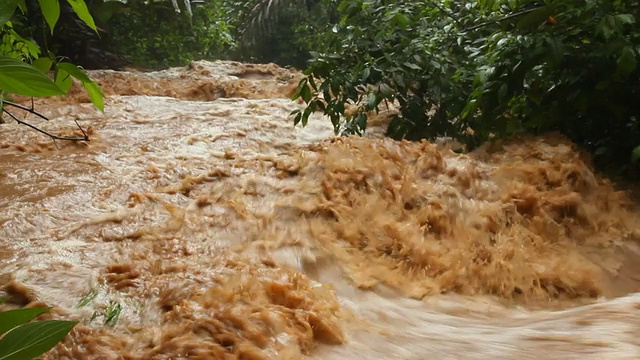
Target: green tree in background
486	69
163	33
152	35
280	31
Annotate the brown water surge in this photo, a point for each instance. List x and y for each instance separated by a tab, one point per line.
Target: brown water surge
223	232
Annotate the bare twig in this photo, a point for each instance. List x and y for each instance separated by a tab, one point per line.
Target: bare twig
22	107
54	137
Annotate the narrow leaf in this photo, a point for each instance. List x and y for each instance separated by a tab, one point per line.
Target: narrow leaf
95	94
82	11
371	101
74	71
21	78
12	318
51	11
305	93
34	339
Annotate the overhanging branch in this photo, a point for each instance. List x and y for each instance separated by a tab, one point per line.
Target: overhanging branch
54	137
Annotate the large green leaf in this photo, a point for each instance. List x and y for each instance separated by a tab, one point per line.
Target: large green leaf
7	8
81	9
51	11
12	318
21	78
74	71
34	339
43	64
97	98
63	80
92	88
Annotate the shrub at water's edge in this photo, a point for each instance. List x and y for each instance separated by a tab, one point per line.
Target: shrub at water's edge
484	70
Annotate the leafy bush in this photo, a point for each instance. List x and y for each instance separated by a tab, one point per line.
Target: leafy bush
486	69
17	76
22	339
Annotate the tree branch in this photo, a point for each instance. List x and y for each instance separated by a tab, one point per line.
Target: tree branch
22	107
54	137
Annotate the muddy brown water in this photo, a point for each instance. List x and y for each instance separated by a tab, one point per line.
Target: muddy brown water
198	223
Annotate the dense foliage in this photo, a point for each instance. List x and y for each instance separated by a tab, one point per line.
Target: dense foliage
24	64
283	32
152	35
485	69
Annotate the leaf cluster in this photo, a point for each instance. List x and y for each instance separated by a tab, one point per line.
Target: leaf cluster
23	69
485	69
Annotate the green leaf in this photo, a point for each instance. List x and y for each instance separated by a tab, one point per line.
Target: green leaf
371	101
12	318
21	78
88	298
112	313
402	20
635	155
361	121
606	26
43	64
627	60
385	90
297	118
412	66
95	94
74	71
32	48
7	8
305	93
63	80
625	19
34	339
51	11
83	13
365	74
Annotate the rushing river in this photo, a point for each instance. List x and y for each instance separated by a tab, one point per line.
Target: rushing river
199	223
